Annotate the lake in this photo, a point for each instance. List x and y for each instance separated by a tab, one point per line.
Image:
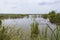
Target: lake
25	23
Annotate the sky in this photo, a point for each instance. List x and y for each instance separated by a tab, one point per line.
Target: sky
29	6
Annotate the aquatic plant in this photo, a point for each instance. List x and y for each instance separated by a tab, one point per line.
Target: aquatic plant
34	30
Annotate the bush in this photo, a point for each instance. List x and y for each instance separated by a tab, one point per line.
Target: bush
54	18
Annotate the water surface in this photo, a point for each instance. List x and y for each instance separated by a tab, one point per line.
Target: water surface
25	23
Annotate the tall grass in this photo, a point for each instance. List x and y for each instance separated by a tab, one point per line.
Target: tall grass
11	33
34	31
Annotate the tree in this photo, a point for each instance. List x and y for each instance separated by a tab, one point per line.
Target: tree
52	15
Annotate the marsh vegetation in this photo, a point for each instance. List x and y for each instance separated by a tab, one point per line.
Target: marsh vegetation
12	33
46	28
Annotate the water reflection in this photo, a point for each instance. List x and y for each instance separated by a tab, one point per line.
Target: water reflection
25	22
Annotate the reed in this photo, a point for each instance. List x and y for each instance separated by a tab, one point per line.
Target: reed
11	33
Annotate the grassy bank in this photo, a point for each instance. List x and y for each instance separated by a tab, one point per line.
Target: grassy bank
6	16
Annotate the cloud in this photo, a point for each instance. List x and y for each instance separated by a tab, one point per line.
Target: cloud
49	3
28	6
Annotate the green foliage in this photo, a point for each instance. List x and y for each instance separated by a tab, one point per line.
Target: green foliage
54	18
52	12
57	18
3	34
34	30
10	33
45	16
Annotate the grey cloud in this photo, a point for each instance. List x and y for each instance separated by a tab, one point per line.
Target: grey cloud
48	3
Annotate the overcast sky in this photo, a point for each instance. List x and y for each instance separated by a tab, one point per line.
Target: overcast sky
29	6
